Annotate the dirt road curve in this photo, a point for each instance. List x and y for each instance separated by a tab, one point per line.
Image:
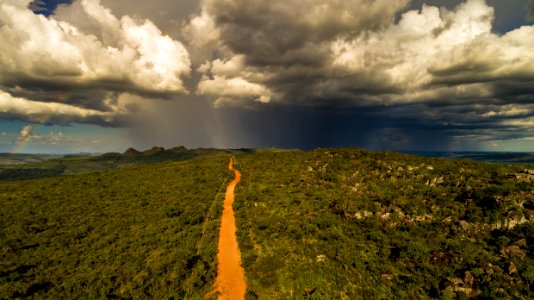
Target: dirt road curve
230	282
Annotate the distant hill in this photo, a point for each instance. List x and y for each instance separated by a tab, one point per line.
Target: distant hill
29	166
497	157
18	159
158	154
131	152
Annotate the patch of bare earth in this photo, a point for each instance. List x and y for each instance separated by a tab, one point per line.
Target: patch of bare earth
230	282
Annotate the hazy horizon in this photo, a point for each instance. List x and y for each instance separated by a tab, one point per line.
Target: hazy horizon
416	152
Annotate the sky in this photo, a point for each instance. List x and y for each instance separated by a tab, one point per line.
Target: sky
105	75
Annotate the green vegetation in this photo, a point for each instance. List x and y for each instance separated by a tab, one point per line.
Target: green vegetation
18	159
353	224
140	232
322	224
18	166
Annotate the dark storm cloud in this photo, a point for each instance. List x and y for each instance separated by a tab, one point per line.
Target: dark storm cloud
530	9
91	94
292	73
52	118
341	54
37	6
195	123
43	92
424	79
272	33
166	14
292	53
46	7
434	68
15	108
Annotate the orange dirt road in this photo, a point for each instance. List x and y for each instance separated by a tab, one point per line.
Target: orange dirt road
230	282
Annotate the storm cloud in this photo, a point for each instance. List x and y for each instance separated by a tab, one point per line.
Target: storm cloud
355	54
400	70
448	62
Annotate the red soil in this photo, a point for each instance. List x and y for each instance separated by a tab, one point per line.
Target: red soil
230	282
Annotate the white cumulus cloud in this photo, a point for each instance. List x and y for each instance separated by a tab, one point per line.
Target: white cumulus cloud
135	52
42	56
25	133
42	112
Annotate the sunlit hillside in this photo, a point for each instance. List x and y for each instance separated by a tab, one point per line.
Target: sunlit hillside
321	224
139	232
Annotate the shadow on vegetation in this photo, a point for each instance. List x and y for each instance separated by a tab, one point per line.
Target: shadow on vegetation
34	289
